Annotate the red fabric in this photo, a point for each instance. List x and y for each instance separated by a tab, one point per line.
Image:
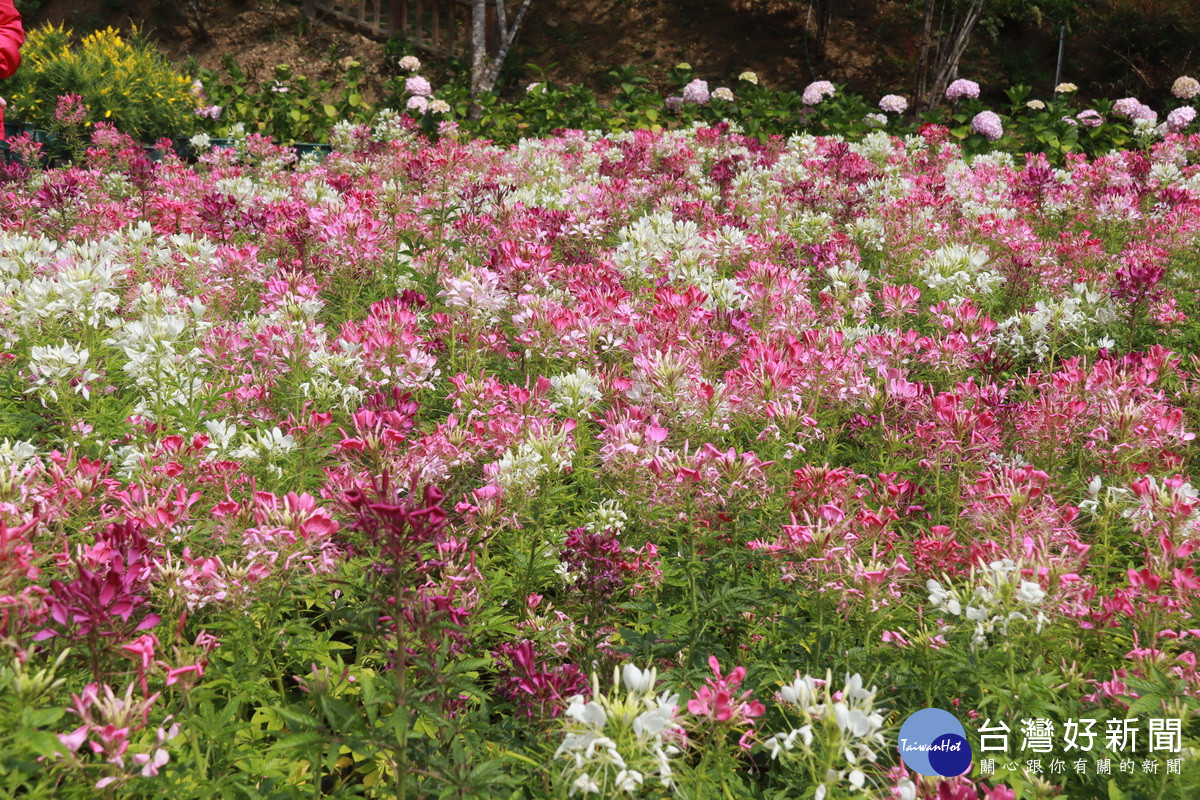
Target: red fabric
12	36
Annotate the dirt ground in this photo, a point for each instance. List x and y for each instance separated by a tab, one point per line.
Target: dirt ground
569	41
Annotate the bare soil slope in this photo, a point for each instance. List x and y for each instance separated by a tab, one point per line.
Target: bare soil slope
569	41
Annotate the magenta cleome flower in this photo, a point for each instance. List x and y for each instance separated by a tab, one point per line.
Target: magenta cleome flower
70	110
718	700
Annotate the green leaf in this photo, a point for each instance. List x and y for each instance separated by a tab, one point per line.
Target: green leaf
298	741
298	718
44	743
46	717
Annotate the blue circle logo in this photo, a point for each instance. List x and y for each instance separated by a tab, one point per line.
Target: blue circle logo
933	743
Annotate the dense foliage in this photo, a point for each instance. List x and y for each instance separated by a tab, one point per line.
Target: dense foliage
120	79
290	108
633	465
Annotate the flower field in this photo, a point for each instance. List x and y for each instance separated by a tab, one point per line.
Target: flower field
641	465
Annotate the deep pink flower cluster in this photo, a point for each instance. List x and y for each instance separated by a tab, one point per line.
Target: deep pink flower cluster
538	688
869	364
719	700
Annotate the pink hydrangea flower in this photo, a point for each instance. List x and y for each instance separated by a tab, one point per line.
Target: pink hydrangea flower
893	104
962	88
696	92
1126	106
1134	109
1180	118
988	123
817	91
418	86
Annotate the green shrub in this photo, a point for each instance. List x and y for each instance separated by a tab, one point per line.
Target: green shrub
122	80
289	108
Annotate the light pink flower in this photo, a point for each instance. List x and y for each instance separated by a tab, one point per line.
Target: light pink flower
962	88
1180	118
696	92
817	91
989	124
418	86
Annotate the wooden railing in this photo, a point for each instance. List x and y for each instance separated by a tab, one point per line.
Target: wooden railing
441	27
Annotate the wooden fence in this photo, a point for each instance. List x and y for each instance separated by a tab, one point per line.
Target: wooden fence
441	27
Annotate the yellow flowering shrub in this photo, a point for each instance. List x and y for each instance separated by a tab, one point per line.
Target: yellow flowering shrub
122	79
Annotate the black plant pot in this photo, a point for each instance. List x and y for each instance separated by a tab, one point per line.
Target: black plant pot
321	150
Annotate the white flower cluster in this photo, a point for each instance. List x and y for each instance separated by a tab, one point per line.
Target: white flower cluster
60	368
159	346
658	245
576	392
1056	322
544	179
877	147
1147	130
607	516
1001	597
478	291
959	271
618	743
389	127
255	445
267	446
335	375
520	469
81	289
843	725
18	453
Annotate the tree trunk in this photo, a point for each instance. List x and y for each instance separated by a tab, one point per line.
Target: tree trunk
484	70
923	59
959	38
478	54
194	18
943	46
824	18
